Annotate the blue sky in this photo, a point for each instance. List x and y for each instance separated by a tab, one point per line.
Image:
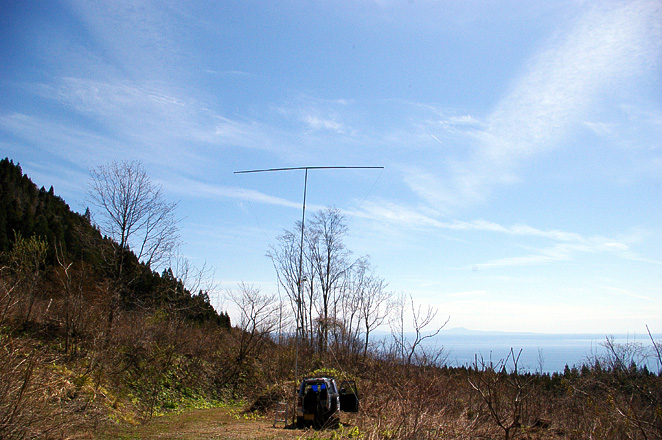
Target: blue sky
522	141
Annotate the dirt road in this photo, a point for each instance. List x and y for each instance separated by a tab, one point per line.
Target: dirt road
205	424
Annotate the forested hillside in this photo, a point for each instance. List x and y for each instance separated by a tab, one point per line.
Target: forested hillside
35	217
94	341
26	210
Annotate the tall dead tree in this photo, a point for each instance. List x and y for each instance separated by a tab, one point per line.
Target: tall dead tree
374	306
285	258
325	271
330	260
410	349
363	306
132	211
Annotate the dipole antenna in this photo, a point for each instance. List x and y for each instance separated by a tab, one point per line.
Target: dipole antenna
303	222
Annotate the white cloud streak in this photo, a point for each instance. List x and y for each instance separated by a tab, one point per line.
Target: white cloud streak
196	189
323	124
146	113
149	121
406	216
565	244
610	44
566	251
192	188
76	143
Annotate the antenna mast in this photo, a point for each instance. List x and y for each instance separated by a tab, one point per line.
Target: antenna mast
303	220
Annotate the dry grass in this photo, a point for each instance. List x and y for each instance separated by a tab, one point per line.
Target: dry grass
57	383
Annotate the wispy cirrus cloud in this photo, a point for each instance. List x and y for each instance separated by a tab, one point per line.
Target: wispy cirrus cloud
76	142
138	111
552	245
610	44
565	246
318	123
560	252
150	121
627	293
607	46
318	114
196	189
412	217
137	39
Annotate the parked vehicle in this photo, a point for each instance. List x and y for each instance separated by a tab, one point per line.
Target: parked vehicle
320	400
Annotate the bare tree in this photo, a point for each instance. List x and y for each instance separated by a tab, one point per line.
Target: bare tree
374	306
194	279
330	293
286	259
364	304
258	317
133	212
347	335
502	392
323	262
330	260
634	394
72	278
27	259
407	348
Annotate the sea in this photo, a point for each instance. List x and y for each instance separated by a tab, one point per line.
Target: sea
538	352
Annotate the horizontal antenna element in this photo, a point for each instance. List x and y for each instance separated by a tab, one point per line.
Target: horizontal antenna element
305	168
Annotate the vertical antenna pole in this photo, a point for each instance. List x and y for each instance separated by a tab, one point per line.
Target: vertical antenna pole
300	280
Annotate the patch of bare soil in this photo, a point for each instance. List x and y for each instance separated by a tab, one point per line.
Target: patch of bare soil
205	424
